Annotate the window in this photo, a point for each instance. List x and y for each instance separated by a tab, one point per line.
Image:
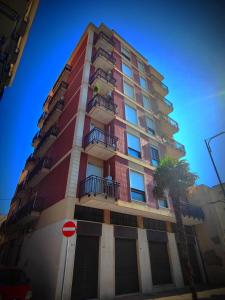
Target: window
147	103
143	83
125	53
137	187
127	70
141	66
163	203
128	90
131	114
154	156
150	126
134	148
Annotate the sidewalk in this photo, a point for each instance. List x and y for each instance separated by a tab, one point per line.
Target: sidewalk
209	294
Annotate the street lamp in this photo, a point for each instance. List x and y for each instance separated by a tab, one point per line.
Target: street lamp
207	142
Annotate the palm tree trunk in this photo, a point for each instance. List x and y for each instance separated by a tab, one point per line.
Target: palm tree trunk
184	255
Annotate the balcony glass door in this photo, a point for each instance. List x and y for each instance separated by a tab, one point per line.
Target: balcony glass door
94	170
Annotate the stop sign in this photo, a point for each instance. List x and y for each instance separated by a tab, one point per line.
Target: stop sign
69	229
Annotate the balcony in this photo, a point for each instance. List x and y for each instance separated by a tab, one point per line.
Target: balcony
63	78
30	162
39	172
46	103
103	59
36	139
168	125
98	191
27	213
174	149
100	144
102	108
22	192
192	214
48	120
103	81
159	86
165	106
57	96
46	141
41	120
105	42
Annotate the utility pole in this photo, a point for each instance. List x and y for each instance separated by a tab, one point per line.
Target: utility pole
207	142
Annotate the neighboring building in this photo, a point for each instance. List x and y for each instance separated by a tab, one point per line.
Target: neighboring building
104	129
16	18
2	219
211	233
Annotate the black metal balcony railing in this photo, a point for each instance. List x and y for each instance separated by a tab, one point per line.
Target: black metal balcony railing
46	103
59	105
44	163
97	135
33	205
106	102
169	120
60	85
175	144
94	185
102	52
102	74
172	122
166	101
52	131
189	210
163	86
42	117
21	186
105	37
38	135
179	146
60	80
31	158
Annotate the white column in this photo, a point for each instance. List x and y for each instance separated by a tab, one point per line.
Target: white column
107	263
144	264
175	260
71	188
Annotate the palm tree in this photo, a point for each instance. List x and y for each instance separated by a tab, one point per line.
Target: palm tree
175	176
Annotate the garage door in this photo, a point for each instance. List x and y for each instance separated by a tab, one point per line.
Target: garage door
85	280
160	264
126	266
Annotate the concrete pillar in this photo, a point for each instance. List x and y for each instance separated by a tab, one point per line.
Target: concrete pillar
106	216
72	183
175	261
107	263
140	221
145	274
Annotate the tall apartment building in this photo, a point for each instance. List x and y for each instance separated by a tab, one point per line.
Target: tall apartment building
16	18
104	128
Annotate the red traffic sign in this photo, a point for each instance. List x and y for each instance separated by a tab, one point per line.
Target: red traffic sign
69	229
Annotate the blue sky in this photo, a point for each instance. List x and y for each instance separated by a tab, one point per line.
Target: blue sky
184	40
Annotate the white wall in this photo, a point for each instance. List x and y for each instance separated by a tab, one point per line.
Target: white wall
144	264
40	256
